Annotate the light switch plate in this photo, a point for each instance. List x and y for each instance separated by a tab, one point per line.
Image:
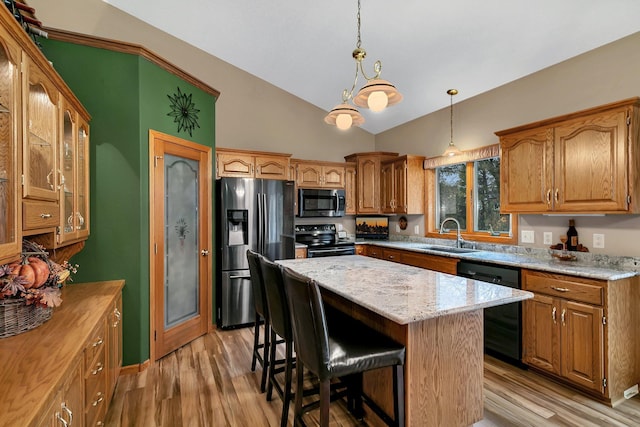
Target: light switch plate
416	229
547	237
527	236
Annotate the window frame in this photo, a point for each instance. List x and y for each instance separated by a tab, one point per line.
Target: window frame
468	158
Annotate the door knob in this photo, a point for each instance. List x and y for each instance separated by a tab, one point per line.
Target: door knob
204	252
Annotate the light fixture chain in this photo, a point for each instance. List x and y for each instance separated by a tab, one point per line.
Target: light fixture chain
359	43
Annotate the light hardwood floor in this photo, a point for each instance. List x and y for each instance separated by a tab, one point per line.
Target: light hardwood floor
209	383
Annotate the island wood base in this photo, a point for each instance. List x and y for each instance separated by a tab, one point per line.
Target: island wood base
443	366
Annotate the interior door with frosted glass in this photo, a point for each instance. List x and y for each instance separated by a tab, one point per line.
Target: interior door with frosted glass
181	238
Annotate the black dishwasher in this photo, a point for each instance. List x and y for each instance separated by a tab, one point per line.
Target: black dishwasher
502	324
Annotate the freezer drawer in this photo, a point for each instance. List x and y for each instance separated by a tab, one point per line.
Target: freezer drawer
235	306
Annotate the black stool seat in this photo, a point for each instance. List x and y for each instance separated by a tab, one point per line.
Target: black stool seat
354	347
338	346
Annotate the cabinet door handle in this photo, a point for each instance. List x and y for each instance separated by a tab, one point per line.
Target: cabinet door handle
99	399
68	411
553	315
99	342
548	196
117	315
555	197
99	368
61	420
45	215
559	289
564	311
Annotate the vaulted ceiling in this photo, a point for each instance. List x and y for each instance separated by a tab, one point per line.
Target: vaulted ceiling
426	47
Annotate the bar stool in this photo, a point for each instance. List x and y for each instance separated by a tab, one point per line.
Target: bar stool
262	314
344	351
280	326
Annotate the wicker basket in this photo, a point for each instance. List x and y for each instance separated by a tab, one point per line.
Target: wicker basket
16	317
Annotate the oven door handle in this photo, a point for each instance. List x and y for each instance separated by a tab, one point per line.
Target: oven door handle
334	250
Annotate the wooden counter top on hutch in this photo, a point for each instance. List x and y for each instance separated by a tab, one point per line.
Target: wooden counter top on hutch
68	366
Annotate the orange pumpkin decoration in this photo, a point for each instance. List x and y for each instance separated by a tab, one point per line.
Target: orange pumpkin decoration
28	274
41	270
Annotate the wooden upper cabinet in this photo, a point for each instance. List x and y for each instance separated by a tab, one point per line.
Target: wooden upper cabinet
10	238
526	176
402	185
251	164
350	188
368	180
40	133
311	174
590	157
40	119
579	163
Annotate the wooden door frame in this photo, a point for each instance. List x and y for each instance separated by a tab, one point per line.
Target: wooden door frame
207	242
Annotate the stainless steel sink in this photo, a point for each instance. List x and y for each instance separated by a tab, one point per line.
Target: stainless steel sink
446	249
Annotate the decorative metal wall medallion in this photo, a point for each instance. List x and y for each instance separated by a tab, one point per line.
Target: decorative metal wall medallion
183	111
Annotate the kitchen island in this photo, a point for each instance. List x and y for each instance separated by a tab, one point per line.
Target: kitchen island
438	317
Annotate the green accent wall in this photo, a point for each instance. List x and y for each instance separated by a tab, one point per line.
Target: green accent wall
126	96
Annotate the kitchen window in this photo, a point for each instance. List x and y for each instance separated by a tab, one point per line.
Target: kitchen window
467	188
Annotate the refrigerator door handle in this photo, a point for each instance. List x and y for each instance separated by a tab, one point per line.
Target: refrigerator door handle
260	224
266	220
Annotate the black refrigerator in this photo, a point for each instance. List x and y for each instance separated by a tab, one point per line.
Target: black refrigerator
255	214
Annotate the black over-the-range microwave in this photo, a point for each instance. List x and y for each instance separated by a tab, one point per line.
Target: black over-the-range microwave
320	202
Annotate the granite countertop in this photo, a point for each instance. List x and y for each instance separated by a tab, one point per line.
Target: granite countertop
594	267
402	293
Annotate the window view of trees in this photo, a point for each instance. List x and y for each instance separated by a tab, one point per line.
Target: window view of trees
487	206
452	194
483	214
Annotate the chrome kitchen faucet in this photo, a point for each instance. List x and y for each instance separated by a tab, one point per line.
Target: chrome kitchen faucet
459	239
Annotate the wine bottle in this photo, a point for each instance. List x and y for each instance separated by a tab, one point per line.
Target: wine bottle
572	236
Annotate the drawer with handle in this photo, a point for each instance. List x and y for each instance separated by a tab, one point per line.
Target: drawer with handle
579	289
39	215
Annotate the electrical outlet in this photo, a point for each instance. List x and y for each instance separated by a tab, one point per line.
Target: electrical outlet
598	241
397	228
631	391
527	236
547	237
416	230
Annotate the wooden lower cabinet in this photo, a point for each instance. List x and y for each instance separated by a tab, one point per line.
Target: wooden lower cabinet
63	372
583	331
417	259
66	406
95	376
301	253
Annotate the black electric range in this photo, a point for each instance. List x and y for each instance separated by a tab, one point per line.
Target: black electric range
322	240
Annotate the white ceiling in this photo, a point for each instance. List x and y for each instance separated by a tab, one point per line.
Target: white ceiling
426	47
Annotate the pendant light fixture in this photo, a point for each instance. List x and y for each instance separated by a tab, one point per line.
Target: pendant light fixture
376	94
451	150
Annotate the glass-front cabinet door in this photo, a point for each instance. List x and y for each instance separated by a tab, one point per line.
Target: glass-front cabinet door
74	167
82	180
40	113
10	240
67	174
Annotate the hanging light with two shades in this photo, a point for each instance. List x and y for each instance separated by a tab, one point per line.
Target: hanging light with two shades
377	94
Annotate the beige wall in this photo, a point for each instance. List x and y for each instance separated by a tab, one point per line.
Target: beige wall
607	74
253	114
